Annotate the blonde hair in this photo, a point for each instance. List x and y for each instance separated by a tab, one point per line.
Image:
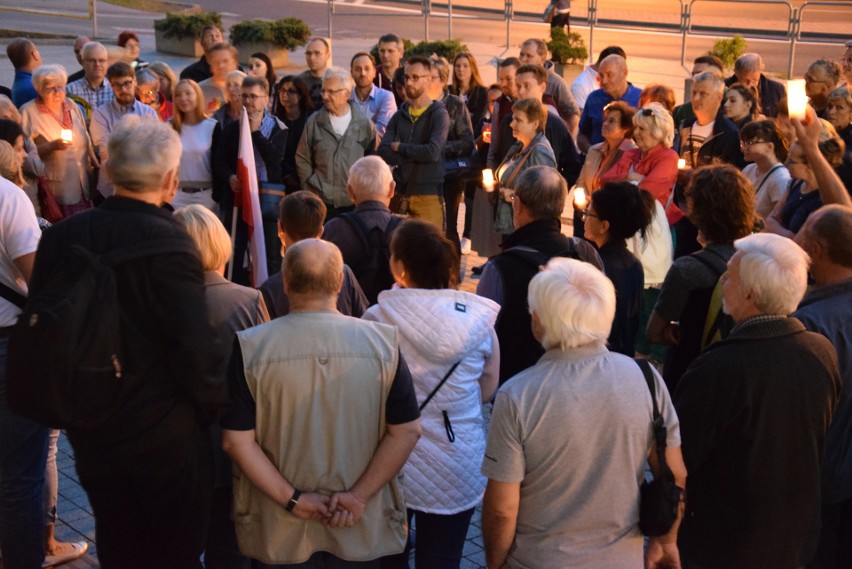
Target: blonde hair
179	116
208	234
9	166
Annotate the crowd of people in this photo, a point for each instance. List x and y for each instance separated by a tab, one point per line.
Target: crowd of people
354	409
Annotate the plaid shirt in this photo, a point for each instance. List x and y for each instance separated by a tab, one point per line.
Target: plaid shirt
95	97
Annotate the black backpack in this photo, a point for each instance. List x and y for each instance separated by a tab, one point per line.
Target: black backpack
372	267
65	366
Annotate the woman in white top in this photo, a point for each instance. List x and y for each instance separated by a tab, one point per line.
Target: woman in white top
199	136
444	334
763	146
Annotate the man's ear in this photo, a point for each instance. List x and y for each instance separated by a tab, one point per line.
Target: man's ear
170	184
392	189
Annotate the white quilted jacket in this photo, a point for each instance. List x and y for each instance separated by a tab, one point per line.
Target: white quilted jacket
437	328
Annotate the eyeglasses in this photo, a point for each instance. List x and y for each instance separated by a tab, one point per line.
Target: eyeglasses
149	94
332	92
749	143
251	97
122	86
585	215
792	161
646	112
289	92
54	89
413	78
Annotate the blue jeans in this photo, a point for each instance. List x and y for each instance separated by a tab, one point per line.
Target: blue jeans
23	452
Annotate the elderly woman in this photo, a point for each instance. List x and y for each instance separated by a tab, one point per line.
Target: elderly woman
293	105
199	136
232	308
453	375
148	92
720	201
232	108
742	104
763	146
130	42
607	161
653	164
530	148
58	129
839	113
167	77
460	143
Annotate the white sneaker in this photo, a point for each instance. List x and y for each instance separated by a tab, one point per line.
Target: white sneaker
76	550
465	246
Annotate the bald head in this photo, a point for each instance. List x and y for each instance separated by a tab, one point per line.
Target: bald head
613	75
313	268
370	179
78	47
825	237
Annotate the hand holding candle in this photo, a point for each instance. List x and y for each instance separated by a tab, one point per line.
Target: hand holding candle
580	198
681	164
488	180
797	100
66	135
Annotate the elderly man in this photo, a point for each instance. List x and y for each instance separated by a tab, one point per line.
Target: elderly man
148	469
537	207
200	70
78	54
334	138
570	436
375	103
501	137
614	87
748	70
25	58
371	187
300	217
391	49
414	144
317	57
700	64
587	81
711	137
821	78
301	385
269	138
93	87
104	119
827	309
769	381
534	52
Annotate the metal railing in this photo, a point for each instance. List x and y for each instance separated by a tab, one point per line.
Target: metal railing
92	14
686	26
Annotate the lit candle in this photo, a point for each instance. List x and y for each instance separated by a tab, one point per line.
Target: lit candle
488	180
66	135
681	164
580	198
797	100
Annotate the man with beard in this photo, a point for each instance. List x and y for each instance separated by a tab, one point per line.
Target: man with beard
376	104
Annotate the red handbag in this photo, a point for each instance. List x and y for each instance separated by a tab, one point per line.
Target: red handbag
49	208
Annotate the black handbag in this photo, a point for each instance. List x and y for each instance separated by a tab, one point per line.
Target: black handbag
464	169
660	498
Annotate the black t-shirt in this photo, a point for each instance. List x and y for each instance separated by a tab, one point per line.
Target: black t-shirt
401	405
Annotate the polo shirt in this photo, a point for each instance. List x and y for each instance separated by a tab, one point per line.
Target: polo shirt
591	120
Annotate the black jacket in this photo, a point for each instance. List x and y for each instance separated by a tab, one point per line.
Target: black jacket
771	92
722	145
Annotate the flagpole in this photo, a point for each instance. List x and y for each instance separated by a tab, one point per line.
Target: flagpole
234	213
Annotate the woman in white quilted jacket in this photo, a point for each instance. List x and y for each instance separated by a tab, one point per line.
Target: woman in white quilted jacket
447	338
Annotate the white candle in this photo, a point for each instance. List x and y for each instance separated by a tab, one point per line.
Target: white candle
797	100
488	180
580	198
66	135
681	164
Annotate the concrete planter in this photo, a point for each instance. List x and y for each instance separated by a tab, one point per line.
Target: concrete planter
279	56
569	71
189	47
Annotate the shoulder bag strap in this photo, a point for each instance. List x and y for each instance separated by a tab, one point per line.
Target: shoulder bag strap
443	381
12	296
658	423
767	176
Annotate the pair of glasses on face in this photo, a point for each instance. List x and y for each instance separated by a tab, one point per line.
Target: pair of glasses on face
289	92
122	86
750	143
54	89
332	92
586	215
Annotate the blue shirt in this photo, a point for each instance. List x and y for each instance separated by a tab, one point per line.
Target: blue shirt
379	107
22	88
591	120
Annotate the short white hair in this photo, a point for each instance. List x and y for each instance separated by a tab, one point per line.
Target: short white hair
50	71
659	123
140	152
370	177
713	79
574	302
339	73
774	270
92	46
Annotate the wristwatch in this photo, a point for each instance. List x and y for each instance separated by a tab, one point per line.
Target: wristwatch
294	499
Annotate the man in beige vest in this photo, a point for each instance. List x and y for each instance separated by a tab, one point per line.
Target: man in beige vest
323	419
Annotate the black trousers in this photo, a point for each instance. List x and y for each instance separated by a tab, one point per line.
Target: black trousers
439	541
152	509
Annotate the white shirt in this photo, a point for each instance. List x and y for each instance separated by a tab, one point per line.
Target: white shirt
771	188
341	123
197	141
19	235
585	83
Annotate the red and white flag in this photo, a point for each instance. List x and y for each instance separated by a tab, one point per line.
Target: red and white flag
249	203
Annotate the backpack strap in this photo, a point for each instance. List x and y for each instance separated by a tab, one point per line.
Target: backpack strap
361	228
437	387
12	296
708	263
537	258
657	418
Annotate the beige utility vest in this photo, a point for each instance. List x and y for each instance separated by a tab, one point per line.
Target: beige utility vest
320	381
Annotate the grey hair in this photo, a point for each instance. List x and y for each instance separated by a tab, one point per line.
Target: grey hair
774	270
713	79
370	176
660	123
542	190
50	71
339	73
145	76
140	152
91	46
748	62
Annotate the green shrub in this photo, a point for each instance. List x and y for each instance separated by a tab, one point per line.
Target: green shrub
729	50
566	48
181	26
288	33
445	48
407	46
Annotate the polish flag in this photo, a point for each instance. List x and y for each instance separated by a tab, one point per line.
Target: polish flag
249	203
